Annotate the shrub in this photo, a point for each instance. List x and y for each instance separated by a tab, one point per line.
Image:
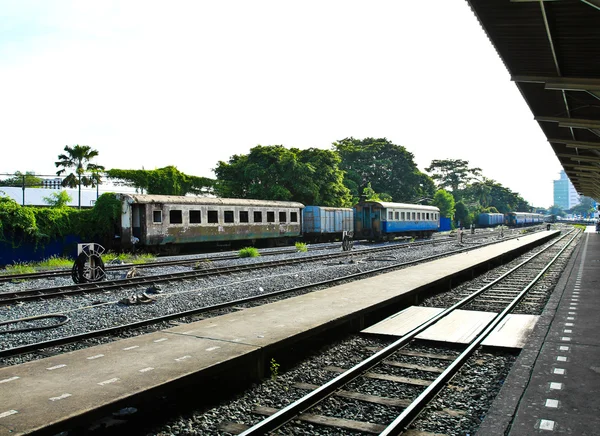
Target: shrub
301	247
249	252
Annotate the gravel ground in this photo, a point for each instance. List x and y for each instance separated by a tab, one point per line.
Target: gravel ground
90	312
472	390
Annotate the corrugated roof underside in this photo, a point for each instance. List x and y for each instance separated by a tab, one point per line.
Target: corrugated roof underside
520	35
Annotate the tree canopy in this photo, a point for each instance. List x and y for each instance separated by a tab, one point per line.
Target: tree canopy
29	180
445	202
584	208
163	181
86	173
310	176
389	168
453	174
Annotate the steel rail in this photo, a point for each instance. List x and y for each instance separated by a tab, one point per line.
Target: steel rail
289	412
399	425
111	330
155	264
165	263
37	293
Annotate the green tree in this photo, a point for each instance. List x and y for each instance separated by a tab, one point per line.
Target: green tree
79	157
445	202
29	180
371	195
479	192
58	199
453	174
584	208
556	210
389	168
310	176
462	214
163	181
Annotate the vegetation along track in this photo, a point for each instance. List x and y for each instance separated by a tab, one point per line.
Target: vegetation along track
91	317
201	269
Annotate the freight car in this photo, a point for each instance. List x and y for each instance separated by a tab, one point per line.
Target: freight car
166	223
520	219
490	219
378	220
321	224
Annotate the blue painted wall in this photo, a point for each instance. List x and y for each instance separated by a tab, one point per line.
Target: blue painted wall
27	252
445	224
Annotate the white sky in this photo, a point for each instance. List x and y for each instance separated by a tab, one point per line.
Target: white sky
188	83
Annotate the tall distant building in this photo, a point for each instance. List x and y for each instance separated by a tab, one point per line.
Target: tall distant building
565	194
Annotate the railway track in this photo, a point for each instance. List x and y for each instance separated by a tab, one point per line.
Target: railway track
383	366
229	256
210	310
155	264
12	297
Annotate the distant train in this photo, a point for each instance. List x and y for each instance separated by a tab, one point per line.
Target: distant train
512	219
168	223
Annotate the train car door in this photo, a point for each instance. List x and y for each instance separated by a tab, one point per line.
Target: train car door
366	220
137	219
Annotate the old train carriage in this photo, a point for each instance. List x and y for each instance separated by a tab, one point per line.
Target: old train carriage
519	219
165	223
490	219
380	220
321	224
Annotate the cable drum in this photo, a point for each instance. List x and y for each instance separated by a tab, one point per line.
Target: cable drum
89	266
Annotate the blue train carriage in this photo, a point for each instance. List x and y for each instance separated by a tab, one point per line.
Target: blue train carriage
321	224
378	220
521	219
166	223
490	219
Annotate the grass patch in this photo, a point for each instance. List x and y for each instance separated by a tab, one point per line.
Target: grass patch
249	252
301	247
17	268
55	262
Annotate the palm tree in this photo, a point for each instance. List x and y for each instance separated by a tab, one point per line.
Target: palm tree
79	157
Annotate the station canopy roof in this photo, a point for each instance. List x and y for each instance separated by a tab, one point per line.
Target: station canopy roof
551	49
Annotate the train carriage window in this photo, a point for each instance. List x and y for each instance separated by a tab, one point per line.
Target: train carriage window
390	215
213	216
157	216
282	217
293	217
244	216
397	216
270	217
258	217
427	216
175	217
414	216
403	216
419	216
195	217
228	216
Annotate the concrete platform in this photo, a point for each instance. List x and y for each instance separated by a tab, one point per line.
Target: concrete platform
554	387
52	392
459	327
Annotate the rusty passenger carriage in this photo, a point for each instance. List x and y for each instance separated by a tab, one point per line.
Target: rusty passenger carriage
166	222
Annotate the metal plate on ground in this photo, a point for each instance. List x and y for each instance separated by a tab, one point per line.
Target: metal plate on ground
461	326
